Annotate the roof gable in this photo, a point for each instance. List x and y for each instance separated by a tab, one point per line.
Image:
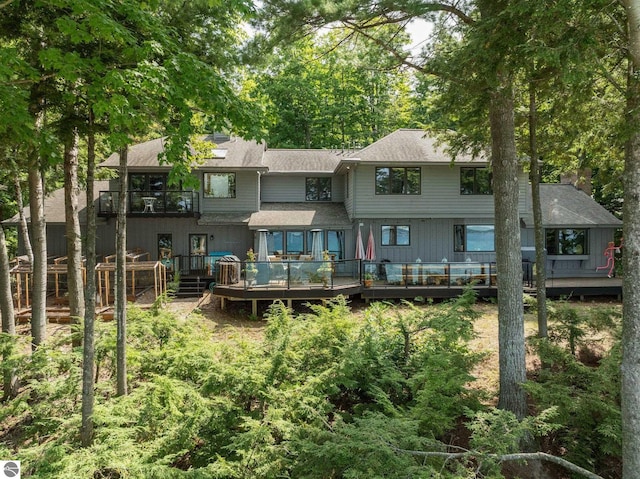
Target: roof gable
565	205
409	146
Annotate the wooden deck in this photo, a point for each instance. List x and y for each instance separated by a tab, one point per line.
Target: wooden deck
556	288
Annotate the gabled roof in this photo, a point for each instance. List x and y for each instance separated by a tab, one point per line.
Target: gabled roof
301	161
300	215
567	206
54	205
408	146
226	152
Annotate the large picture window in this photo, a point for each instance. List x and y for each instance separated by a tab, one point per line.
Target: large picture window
475	181
318	189
394	235
474	238
397	181
569	241
219	185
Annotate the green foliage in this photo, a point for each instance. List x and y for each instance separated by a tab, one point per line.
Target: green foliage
586	396
324	394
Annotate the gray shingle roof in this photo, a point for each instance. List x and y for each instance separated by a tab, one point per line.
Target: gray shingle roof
54	205
408	146
300	215
565	205
239	153
301	161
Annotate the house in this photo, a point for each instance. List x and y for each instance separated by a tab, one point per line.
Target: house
429	217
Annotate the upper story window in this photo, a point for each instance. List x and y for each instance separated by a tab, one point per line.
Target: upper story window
568	241
318	189
474	238
219	185
148	182
475	181
397	181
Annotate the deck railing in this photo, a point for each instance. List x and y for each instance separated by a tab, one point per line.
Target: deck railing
173	203
333	274
420	274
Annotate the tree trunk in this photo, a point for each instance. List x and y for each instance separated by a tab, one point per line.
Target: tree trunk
121	278
24	229
88	351
9	383
534	177
75	284
39	265
508	255
631	258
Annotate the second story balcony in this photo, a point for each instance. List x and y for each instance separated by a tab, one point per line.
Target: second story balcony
151	203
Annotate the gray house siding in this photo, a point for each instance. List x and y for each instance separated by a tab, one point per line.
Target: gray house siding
247	191
431	240
582	265
143	234
439	196
291	189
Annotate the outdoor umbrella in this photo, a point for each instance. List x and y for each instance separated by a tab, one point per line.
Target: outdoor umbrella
263	253
359	246
316	245
370	254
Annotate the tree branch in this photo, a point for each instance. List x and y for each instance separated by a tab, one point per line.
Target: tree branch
523	456
401	58
6	3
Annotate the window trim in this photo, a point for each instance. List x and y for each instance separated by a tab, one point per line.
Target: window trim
206	185
475	189
461	243
317	180
555	251
405	182
394	236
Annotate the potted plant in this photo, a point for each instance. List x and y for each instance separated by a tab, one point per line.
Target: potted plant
251	270
325	269
368	280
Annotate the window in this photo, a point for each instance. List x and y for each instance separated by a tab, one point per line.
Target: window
474	238
318	189
335	243
568	241
475	181
397	181
165	246
275	242
295	242
394	235
220	185
148	182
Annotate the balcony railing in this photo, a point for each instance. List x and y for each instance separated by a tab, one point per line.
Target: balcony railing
149	203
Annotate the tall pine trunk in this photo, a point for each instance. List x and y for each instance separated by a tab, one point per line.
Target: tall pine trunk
24	229
121	279
39	266
88	350
75	284
504	162
534	178
631	258
9	383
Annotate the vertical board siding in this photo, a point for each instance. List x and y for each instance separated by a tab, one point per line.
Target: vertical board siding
431	240
143	234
